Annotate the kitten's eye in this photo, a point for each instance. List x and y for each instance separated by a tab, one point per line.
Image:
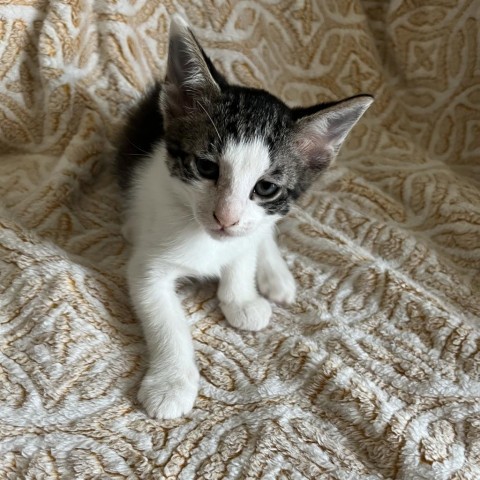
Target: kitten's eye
266	189
206	168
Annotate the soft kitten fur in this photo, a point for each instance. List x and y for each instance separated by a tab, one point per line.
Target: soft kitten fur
208	168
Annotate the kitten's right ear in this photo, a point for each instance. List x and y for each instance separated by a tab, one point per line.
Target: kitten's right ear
189	75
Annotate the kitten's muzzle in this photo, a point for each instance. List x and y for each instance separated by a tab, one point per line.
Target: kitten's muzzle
223	228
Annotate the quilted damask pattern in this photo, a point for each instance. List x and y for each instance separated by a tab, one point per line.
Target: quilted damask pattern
374	372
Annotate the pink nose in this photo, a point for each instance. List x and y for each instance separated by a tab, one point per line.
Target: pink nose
225	218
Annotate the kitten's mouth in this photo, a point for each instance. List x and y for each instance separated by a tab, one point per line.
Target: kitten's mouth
221	233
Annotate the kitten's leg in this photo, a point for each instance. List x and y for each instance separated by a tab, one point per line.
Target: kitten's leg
240	302
274	279
170	385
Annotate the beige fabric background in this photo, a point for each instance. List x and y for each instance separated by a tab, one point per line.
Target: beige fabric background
372	374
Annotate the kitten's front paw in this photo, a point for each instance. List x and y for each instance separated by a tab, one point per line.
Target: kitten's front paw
253	315
169	395
277	286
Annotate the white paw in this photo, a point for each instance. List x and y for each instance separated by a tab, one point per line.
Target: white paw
277	285
169	394
253	315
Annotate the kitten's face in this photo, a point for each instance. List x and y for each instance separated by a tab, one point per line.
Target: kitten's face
241	156
229	191
233	158
226	200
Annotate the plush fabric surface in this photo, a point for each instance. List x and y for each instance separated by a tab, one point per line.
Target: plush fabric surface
372	374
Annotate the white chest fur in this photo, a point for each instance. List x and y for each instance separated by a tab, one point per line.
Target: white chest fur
196	253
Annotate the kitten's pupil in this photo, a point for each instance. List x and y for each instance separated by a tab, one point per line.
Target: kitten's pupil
206	168
265	189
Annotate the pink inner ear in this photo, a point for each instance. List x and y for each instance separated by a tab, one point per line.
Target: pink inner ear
313	146
320	136
309	146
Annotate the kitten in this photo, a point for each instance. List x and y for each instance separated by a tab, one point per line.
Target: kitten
208	168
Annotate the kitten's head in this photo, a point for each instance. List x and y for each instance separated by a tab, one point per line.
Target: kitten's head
241	155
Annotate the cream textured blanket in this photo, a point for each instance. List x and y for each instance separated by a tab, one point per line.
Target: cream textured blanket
373	373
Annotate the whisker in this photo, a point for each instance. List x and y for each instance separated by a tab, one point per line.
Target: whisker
137	147
204	109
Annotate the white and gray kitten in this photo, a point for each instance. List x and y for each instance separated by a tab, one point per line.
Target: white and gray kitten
208	168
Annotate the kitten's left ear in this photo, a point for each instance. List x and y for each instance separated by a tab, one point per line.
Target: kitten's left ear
319	136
